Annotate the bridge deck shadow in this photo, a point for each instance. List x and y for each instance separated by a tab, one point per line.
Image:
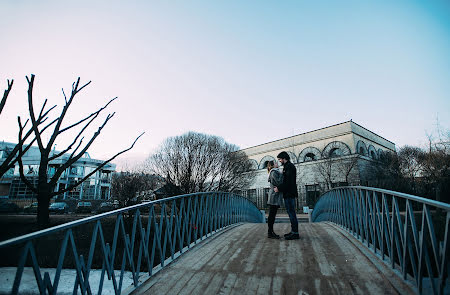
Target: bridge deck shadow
243	260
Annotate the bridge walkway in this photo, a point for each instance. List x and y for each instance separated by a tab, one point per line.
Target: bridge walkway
242	260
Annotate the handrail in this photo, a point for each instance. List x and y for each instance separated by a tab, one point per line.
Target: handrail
387	223
150	243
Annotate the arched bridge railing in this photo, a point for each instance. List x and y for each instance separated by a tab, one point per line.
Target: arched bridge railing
408	232
133	242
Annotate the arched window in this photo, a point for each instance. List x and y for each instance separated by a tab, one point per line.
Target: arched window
336	149
372	152
335	152
309	157
361	148
309	154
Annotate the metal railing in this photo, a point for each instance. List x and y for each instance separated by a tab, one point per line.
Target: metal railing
387	223
125	240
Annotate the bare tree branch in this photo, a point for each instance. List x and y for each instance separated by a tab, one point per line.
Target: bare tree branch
69	188
72	159
95	114
5	95
56	130
34	124
19	158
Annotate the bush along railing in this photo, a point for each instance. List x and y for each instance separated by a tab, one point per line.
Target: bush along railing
408	232
136	241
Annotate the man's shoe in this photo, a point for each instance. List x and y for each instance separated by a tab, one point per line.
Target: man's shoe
288	234
272	235
292	236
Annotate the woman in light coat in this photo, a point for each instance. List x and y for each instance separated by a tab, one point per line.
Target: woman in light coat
275	199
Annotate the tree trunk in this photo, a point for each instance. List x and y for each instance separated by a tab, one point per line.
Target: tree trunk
43	196
43	219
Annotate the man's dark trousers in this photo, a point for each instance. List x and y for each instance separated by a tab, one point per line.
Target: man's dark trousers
289	203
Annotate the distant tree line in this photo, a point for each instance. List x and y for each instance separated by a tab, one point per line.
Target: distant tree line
418	171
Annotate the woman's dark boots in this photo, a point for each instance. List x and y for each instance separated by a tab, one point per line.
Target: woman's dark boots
272	235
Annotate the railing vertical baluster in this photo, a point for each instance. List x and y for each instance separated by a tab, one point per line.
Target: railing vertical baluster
393	235
371	221
387	229
416	240
398	233
378	221
342	207
444	254
361	214
356	212
349	210
366	222
406	242
382	227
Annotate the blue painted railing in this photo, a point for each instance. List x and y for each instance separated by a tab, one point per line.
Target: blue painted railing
140	244
387	223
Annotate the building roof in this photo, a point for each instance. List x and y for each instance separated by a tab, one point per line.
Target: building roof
326	132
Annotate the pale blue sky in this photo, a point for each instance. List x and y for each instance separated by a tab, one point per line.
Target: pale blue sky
249	71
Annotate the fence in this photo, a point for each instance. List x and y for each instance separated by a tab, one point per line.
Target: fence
387	223
138	240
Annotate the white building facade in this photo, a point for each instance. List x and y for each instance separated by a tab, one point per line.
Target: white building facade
97	186
342	154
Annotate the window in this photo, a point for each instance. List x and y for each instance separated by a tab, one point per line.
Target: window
104	193
20	190
251	195
334	153
361	151
76	170
309	157
312	194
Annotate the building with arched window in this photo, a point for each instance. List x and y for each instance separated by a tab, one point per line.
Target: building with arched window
342	154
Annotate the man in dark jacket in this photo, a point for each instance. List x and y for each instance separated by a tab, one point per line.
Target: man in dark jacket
289	190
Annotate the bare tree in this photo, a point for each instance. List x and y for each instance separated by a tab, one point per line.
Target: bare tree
325	169
196	162
386	172
128	187
435	164
346	165
410	164
45	188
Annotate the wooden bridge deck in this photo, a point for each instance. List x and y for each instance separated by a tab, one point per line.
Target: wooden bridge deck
242	260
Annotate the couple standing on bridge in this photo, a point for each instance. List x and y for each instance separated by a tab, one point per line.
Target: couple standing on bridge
282	186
